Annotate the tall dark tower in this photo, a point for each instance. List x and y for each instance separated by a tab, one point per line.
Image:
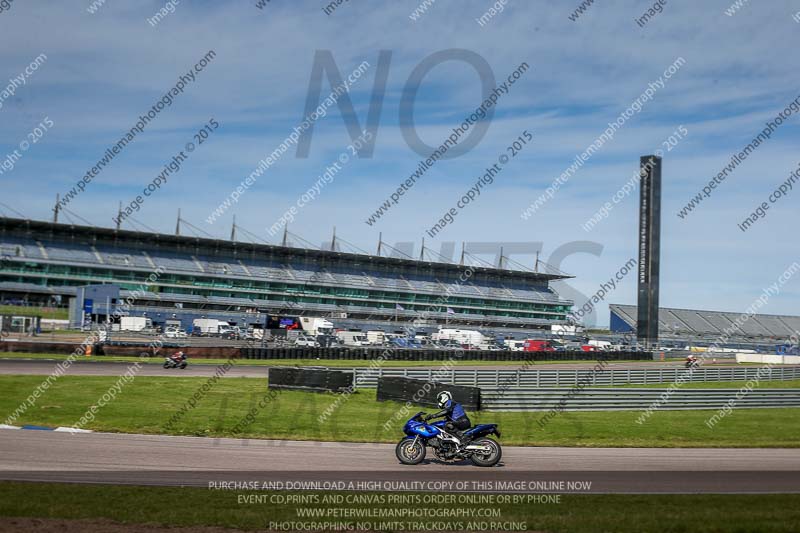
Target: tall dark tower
649	248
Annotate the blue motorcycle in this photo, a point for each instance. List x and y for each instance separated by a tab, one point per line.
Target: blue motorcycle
473	444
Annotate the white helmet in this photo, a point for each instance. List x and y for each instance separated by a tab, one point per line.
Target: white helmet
442	398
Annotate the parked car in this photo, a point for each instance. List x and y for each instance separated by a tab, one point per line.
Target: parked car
448	344
414	343
404	342
172	332
306	340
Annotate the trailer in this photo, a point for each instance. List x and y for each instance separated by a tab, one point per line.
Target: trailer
135	323
465	337
376	337
316	326
209	326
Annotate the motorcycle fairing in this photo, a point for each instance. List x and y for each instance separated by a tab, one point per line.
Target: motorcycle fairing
481	430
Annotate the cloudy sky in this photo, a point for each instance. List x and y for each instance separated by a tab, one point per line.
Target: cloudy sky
104	69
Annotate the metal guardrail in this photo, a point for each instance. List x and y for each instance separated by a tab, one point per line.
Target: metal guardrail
367	378
613	399
377	353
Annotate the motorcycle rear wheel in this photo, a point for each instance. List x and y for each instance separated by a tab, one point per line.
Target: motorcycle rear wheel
490	459
166	365
410	453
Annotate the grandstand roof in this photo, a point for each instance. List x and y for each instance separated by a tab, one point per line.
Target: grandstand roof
50	230
713	323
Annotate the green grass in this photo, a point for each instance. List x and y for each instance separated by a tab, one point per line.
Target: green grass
333	363
146	405
63	332
574	513
44	312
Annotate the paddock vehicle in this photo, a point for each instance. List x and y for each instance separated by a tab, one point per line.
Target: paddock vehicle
353	338
538	345
306	340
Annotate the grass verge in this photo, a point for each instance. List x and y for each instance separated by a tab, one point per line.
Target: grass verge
572	513
44	312
148	404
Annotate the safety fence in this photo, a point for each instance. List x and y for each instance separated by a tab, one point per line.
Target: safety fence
613	399
417	354
598	376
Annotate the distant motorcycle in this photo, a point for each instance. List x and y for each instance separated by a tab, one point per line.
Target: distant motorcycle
177	360
693	363
473	444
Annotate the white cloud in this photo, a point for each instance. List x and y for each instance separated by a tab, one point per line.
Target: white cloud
105	69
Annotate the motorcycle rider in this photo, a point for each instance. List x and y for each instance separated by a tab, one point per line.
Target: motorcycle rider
178	357
457	419
691	360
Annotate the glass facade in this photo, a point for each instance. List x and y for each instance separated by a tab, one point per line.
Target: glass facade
210	273
50	275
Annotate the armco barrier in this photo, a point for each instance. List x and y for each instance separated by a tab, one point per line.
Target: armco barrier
766	358
424	392
406	354
310	379
522	399
368	377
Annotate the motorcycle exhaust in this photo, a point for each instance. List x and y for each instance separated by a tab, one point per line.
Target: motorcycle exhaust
476	448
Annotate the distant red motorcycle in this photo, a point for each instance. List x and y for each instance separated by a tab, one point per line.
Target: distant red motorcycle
176	360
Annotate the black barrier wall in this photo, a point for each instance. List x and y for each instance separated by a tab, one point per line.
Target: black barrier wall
310	379
415	391
368	354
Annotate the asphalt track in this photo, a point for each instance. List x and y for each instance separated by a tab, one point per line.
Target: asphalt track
43	367
29	455
99	368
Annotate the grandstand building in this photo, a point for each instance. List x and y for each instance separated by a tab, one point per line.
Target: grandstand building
244	283
687	323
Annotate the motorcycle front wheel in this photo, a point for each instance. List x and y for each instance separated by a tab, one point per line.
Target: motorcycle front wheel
410	451
488	459
183	365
